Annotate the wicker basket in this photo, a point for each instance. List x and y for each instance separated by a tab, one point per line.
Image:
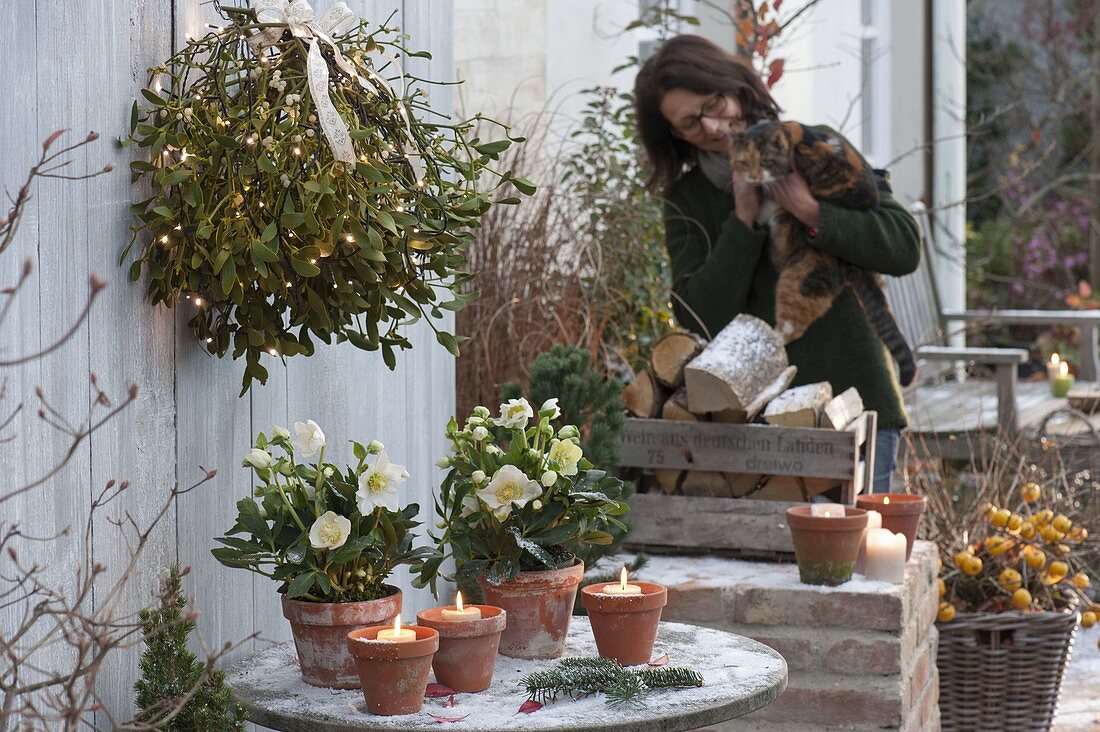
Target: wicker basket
1003	671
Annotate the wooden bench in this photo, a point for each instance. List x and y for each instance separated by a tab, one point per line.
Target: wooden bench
950	414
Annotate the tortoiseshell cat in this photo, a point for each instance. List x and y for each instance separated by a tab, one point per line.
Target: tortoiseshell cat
810	279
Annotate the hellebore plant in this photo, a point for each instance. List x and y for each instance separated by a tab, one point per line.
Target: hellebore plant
327	535
519	495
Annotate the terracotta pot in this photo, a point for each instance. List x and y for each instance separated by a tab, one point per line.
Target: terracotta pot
467	648
901	514
393	675
539	605
625	626
321	630
826	547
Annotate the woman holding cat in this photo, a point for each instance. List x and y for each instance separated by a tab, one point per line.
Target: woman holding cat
689	98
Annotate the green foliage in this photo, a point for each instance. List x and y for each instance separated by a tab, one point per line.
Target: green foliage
326	535
577	677
526	499
586	398
605	176
269	239
169	672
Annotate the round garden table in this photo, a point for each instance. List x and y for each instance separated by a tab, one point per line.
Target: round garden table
740	676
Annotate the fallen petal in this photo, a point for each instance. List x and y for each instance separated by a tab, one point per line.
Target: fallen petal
661	660
529	706
438	691
438	718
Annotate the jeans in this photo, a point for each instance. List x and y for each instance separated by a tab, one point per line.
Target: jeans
886	456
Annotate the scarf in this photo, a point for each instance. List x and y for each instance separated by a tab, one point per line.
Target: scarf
716	167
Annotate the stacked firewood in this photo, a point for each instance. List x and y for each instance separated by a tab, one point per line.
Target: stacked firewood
741	376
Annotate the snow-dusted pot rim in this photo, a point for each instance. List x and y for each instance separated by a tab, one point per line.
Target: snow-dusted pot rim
537	579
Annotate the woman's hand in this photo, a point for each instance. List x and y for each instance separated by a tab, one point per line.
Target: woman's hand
794	195
746	200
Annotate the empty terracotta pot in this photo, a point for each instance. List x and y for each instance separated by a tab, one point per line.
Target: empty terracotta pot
467	648
625	626
826	547
393	675
320	635
539	605
901	513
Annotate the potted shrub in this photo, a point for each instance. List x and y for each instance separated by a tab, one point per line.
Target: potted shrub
517	504
329	537
1012	590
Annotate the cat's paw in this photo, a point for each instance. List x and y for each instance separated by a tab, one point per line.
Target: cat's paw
787	331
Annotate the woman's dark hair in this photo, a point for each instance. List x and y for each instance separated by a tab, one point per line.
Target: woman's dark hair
694	64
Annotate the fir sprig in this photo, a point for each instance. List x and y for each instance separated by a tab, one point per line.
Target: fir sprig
578	677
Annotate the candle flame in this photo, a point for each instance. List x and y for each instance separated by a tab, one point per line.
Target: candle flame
1054	359
622	579
458	602
886	501
397	625
827	513
1063	369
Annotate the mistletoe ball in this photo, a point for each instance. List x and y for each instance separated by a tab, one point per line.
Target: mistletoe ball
301	193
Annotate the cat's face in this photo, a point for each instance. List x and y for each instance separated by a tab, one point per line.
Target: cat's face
762	153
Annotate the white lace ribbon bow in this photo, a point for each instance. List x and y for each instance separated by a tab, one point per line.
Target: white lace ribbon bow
298	16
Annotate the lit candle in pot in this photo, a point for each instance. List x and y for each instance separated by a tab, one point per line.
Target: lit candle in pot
397	634
1052	366
458	612
1063	382
622	588
827	510
884	558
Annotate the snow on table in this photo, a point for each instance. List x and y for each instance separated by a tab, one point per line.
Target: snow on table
740	676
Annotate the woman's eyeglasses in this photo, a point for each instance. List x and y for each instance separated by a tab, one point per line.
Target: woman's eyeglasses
714	106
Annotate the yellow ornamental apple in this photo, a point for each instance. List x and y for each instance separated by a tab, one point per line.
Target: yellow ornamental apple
1081	581
1010	579
998	545
1015	521
1062	550
1021	599
1000	517
942	587
1035	558
960	559
1027	530
972	567
1043	517
1061	522
1088	619
946	613
1059	569
1029	492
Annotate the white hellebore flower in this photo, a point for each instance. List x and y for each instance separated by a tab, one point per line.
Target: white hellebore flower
551	405
509	486
443	462
329	531
309	437
549	478
259	459
478	476
515	413
375	447
378	485
280	431
480	433
469	506
566	455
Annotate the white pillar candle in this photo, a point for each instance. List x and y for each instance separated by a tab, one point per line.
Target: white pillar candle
622	588
458	612
874	520
885	556
397	634
829	510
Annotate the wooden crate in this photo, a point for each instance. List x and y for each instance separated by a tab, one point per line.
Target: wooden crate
737	526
